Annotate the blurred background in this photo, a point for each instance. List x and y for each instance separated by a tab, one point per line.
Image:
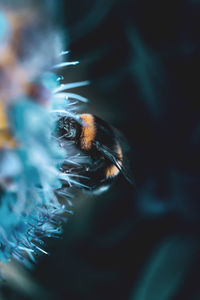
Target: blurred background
142	58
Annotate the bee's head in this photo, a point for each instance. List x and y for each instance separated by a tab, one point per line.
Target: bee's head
68	128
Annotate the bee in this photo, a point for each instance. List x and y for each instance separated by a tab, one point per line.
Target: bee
102	147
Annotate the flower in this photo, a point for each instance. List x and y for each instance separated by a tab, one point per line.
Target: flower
31	101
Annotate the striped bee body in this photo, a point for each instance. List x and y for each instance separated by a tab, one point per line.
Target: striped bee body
100	144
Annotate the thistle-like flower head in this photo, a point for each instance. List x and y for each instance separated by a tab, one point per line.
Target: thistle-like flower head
31	102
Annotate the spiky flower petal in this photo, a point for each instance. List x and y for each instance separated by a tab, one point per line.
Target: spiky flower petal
30	157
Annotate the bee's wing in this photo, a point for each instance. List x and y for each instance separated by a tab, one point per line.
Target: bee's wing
114	158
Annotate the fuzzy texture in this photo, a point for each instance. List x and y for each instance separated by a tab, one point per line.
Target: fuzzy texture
30	176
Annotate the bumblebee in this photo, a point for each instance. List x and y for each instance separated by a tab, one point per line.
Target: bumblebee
102	147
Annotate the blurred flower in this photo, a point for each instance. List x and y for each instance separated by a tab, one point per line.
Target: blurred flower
31	101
